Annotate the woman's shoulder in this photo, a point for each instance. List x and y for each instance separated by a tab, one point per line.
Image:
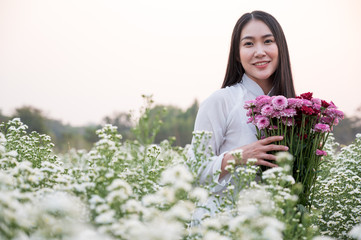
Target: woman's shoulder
223	99
224	95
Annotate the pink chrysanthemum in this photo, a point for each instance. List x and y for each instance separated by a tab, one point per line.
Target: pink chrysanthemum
316	101
262	122
263	100
250	120
267	110
250	104
288	112
335	122
249	113
279	102
295	102
320	127
334	113
326	120
321	152
306	102
317	106
273	127
287	121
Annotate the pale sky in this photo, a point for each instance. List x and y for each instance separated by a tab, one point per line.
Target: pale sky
80	60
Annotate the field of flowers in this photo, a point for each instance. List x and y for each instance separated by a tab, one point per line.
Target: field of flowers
139	190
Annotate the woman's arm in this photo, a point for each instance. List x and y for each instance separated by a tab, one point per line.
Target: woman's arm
257	150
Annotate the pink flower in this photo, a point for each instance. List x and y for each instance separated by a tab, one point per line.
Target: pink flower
320	127
249	113
295	102
276	114
279	102
316	101
326	120
334	113
250	104
306	103
335	122
263	100
287	121
274	127
321	152
250	120
317	106
288	112
267	110
262	122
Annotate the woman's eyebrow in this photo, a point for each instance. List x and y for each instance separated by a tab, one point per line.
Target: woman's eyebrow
250	37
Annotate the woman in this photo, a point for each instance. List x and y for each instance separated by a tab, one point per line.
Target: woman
258	64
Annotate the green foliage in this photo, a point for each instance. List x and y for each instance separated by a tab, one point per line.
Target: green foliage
123	121
148	124
176	123
33	118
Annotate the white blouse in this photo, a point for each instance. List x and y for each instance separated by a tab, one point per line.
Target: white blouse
223	114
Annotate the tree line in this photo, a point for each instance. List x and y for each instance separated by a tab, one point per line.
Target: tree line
176	124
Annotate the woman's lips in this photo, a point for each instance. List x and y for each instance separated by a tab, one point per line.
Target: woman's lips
262	64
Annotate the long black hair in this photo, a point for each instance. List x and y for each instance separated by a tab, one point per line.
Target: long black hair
282	78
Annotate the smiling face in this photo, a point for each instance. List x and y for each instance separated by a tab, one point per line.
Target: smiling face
258	53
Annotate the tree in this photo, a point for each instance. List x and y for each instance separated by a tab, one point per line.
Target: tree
32	117
3	118
123	121
176	123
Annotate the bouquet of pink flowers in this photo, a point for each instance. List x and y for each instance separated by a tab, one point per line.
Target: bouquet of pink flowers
305	122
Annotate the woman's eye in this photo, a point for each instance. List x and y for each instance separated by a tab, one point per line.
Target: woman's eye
268	41
248	44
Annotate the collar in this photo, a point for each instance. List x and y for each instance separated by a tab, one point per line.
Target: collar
252	86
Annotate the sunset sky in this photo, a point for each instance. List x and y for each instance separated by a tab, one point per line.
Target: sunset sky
80	60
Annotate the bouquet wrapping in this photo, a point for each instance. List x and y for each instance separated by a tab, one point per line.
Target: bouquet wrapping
305	123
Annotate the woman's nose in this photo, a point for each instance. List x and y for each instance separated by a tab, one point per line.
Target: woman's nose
259	51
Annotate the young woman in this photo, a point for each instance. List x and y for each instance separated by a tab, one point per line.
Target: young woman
258	64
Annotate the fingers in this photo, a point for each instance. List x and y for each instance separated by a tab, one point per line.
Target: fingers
273	147
272	139
265	163
268	157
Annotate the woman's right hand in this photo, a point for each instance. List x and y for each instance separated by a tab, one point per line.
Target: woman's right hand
257	150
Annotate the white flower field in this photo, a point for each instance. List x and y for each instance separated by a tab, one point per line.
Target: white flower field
139	190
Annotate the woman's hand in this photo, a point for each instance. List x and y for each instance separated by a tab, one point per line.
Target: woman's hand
257	150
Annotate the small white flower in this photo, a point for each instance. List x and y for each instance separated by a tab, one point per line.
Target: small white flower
12	153
120	184
175	174
200	194
252	161
133	206
323	238
181	211
356	231
212	235
105	217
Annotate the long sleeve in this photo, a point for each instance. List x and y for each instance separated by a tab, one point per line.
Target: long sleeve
212	117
